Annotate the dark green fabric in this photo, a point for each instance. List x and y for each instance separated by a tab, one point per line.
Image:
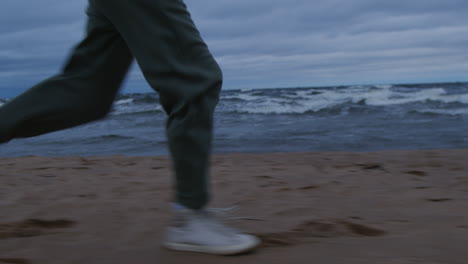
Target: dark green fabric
176	63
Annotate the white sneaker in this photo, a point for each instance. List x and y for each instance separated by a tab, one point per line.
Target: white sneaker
200	231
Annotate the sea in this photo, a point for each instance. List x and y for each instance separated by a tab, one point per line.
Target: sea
342	118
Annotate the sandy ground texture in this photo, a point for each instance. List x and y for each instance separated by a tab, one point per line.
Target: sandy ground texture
390	207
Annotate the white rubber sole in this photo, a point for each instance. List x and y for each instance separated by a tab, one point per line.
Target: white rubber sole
215	250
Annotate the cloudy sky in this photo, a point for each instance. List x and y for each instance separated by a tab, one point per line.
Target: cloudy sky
266	43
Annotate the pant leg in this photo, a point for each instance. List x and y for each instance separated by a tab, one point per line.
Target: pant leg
176	62
82	92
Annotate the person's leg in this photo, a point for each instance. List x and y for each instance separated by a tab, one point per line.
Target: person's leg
82	92
176	62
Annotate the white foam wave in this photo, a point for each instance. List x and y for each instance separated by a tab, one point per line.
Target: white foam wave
241	96
124	101
459	111
300	101
125	108
285	106
454	98
316	99
383	97
384	86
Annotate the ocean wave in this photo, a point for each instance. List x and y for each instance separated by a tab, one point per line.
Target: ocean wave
124	101
312	100
129	104
3	101
138	98
451	112
290	101
454	98
240	97
278	106
384	97
137	111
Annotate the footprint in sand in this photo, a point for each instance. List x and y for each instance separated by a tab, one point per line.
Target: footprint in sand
417	173
309	231
370	166
309	187
438	200
14	261
421	187
263	177
32	227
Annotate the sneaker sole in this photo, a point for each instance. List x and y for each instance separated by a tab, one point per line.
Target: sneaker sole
224	250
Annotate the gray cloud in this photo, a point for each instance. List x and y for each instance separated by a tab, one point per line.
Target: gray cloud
339	42
268	43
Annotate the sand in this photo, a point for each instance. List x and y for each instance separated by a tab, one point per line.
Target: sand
389	207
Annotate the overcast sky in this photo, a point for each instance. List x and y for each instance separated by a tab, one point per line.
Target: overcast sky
266	43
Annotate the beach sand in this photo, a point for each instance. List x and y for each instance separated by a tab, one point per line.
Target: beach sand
389	207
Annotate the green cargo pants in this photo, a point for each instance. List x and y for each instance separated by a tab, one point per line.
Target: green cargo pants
176	63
